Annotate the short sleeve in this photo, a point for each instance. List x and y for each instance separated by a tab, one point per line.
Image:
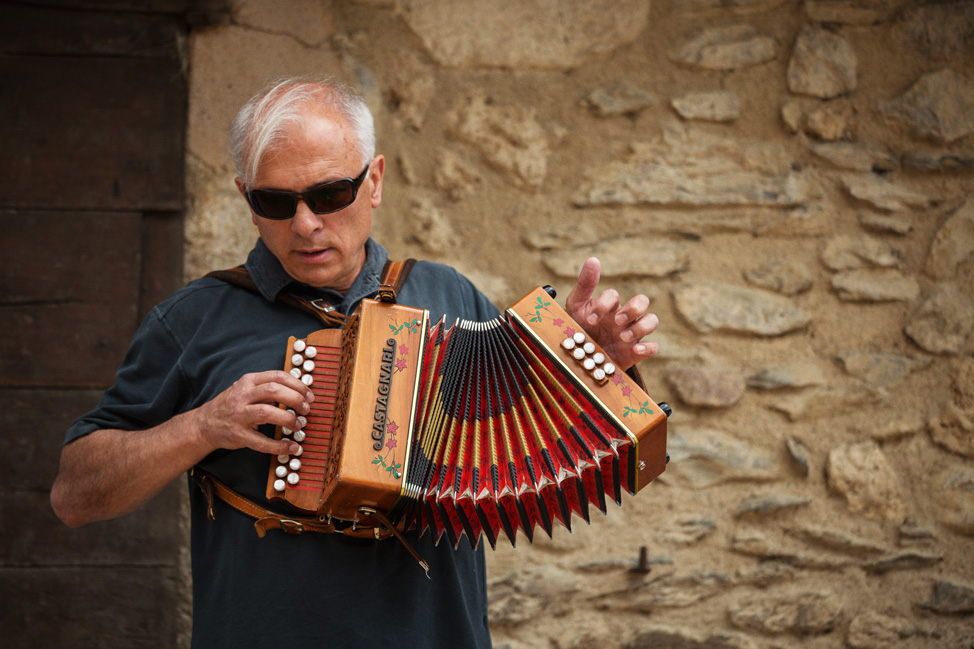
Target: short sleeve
149	388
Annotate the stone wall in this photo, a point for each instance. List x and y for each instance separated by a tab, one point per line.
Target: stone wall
789	182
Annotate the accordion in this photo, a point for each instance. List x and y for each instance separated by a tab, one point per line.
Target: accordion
473	429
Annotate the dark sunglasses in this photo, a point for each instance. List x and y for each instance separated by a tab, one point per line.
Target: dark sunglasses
324	199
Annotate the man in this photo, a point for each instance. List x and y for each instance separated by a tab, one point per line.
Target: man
201	383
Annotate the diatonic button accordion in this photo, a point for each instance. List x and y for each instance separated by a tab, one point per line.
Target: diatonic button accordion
472	429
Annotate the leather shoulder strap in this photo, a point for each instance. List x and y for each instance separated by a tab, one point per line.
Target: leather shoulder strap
237	276
321	309
394	275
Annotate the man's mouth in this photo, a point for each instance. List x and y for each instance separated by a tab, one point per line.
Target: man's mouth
316	255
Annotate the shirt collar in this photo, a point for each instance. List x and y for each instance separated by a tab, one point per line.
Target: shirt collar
271	278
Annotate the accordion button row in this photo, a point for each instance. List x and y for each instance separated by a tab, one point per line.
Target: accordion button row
301	360
289	465
585	352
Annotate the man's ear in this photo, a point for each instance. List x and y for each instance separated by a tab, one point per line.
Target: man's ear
376	175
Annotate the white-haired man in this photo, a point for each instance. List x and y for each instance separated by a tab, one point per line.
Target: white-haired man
202	379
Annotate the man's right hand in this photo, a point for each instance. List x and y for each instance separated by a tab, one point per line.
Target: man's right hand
231	419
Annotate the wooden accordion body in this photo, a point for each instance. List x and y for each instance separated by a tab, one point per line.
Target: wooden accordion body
472	430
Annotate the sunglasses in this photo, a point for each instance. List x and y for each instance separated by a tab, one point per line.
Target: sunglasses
324	199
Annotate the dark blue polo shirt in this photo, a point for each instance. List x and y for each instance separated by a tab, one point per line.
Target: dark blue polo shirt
309	590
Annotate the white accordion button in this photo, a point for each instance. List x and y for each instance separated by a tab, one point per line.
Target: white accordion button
283	458
308	366
279	485
311	352
598	374
579	338
599	358
296	372
579	353
286	431
294	464
292	478
589	348
299	436
568	343
297	359
302	421
307	379
609	369
280	471
299	345
299	452
588	364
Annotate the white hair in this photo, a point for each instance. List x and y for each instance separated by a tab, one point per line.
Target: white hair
259	125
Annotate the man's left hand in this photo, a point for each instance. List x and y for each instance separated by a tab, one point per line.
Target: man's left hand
617	328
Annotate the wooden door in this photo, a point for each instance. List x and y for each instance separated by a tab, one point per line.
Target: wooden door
92	125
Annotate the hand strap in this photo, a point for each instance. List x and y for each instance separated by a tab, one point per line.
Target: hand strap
633	373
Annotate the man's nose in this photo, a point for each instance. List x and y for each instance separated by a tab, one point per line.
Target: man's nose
305	222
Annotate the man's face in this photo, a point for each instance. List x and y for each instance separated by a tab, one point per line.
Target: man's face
324	250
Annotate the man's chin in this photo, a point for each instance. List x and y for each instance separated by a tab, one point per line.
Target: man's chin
324	269
321	277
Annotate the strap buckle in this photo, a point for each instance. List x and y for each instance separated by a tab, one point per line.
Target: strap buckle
291	527
275	523
387	294
322	305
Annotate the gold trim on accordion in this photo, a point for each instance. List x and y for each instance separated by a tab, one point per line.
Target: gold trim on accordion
469	430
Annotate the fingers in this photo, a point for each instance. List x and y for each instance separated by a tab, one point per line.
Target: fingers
588	279
632	332
274	446
632	320
274	379
237	435
603	309
629	321
626	355
620	328
280	387
643	349
631	311
646	350
231	420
